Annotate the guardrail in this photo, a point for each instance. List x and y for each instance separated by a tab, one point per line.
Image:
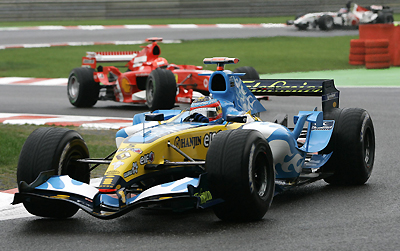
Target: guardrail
47	10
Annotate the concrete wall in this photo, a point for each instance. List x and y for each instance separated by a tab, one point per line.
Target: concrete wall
43	10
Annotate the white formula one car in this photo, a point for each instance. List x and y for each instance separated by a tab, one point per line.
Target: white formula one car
351	16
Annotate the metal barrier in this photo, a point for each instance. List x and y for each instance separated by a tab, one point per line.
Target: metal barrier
47	10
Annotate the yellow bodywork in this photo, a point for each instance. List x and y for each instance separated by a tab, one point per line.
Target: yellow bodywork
131	158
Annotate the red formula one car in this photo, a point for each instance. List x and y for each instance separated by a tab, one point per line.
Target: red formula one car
149	79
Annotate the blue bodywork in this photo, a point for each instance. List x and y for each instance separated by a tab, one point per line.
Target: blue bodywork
296	152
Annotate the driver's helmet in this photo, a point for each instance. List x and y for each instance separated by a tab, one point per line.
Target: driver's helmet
343	10
160	62
208	107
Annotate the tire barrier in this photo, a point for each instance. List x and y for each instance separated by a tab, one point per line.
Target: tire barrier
373	53
380	35
357	52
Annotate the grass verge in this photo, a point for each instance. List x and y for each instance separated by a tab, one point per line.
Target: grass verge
267	55
100	144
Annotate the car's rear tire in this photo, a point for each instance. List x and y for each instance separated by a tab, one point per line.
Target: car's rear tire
353	147
251	73
47	149
82	90
325	22
240	171
160	89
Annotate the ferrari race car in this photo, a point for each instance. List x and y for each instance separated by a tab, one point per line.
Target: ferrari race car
350	16
149	79
217	153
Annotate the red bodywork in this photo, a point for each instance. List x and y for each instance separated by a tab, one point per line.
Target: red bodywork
140	65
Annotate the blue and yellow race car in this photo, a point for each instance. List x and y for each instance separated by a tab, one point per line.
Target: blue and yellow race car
217	153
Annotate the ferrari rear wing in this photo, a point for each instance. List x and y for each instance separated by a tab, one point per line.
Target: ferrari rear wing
297	87
118	56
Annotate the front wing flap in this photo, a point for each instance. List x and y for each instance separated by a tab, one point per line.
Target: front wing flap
179	195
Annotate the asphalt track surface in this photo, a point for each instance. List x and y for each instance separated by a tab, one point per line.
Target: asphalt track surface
16	37
313	217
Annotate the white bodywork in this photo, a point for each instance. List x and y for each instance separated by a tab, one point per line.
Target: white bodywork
358	15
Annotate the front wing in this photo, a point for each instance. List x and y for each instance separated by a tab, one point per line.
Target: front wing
179	195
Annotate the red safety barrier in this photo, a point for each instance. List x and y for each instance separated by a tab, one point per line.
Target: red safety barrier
387	32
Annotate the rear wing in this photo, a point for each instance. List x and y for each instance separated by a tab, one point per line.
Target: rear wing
297	87
112	56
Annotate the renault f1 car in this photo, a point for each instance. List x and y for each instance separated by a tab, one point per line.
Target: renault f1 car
234	162
149	79
350	16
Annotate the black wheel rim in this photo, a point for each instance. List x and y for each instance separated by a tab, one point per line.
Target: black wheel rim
73	88
150	93
259	174
368	149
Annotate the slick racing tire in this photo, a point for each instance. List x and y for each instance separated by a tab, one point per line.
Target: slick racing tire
160	89
325	22
82	90
251	73
353	147
47	149
240	170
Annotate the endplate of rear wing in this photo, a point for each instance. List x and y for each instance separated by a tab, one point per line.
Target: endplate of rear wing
297	87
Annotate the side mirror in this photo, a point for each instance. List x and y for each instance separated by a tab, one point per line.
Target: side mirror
236	118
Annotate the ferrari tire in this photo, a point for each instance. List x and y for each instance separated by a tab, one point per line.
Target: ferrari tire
240	171
325	22
251	73
160	89
47	149
353	147
82	90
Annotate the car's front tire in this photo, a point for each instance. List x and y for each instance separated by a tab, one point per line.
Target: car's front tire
49	148
160	89
325	22
82	90
240	171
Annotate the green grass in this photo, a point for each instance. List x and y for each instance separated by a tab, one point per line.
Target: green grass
100	144
267	55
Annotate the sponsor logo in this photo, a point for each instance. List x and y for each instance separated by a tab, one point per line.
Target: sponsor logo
135	150
133	171
204	196
117	164
281	86
208	137
325	127
330	96
205	83
147	158
123	155
88	61
183	100
187	142
112	172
